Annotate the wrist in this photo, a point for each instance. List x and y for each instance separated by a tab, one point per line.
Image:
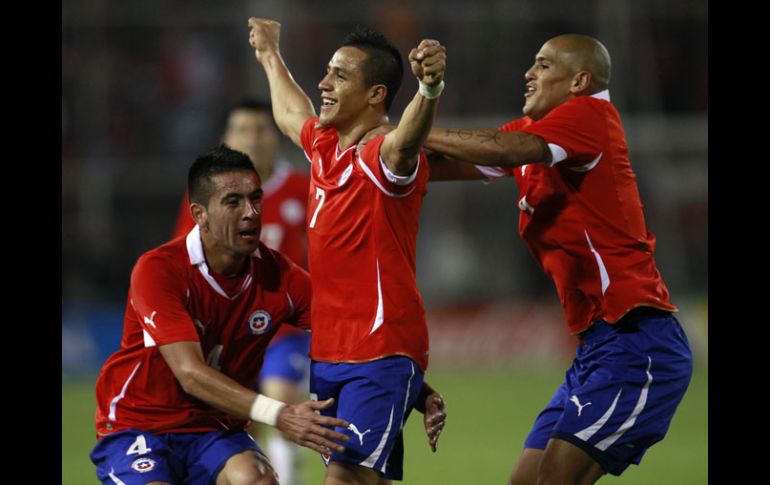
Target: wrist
425	391
431	92
265	410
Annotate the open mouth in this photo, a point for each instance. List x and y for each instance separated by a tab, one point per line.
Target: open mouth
529	91
327	103
249	234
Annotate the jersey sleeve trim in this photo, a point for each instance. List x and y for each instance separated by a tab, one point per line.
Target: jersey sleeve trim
558	154
373	178
401	180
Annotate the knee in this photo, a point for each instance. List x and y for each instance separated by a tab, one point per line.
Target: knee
252	476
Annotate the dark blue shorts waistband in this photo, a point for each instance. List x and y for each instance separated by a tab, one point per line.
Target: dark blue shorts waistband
626	324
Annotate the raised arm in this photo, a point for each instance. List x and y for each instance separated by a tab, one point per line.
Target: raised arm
401	147
291	106
489	147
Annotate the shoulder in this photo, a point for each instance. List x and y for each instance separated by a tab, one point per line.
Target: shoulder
171	255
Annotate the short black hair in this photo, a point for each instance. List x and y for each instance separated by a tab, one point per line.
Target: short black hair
220	159
383	65
249	104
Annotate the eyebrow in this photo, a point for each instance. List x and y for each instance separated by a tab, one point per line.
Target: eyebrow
542	58
238	195
338	70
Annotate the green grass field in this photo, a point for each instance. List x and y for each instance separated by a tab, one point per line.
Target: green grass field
490	413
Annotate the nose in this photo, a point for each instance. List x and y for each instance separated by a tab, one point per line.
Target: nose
325	84
530	74
253	209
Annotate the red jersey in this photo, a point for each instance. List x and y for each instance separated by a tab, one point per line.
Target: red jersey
283	217
582	217
174	298
362	234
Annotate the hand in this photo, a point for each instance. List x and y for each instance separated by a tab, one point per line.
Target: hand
434	419
301	424
428	62
372	134
263	36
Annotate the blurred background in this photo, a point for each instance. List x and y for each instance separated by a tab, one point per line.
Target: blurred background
144	88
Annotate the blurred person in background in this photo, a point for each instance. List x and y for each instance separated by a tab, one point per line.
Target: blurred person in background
250	128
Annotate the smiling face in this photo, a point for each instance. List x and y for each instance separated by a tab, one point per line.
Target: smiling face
550	81
232	218
344	94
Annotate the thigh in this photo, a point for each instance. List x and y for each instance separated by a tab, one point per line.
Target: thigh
525	471
136	457
210	453
629	387
375	398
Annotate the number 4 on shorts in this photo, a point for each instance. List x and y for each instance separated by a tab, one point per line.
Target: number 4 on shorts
139	447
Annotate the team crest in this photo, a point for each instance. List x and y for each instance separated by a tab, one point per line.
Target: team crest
260	322
345	175
143	465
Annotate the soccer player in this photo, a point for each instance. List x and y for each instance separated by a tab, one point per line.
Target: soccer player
582	220
249	128
369	345
172	402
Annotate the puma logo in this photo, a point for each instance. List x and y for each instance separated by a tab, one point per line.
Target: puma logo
149	321
352	427
574	399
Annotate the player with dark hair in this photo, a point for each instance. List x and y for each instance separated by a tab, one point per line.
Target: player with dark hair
173	401
369	344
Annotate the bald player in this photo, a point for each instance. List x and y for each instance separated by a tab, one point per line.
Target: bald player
581	218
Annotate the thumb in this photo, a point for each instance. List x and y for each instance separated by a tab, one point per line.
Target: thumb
322	404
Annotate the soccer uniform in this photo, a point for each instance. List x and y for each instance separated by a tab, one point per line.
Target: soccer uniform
175	298
582	220
283	229
369	343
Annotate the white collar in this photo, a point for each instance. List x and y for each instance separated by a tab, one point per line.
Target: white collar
197	258
605	95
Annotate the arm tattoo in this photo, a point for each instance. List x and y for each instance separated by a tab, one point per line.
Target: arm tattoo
487	136
461	134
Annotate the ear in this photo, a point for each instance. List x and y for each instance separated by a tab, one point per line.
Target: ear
200	215
580	82
377	94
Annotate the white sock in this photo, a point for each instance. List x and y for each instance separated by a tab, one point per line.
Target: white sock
284	456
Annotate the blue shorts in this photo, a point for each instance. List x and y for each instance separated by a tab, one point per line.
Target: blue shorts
376	399
621	392
287	358
137	457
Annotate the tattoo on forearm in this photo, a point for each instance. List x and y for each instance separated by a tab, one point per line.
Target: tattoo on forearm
461	134
487	136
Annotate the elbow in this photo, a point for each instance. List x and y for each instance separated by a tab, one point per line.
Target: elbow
188	379
404	163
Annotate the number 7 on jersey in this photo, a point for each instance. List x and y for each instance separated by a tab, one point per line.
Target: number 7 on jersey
320	194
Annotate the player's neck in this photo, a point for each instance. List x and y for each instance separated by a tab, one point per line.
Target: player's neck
227	265
222	261
351	135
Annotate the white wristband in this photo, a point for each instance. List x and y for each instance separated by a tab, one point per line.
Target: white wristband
265	410
431	92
